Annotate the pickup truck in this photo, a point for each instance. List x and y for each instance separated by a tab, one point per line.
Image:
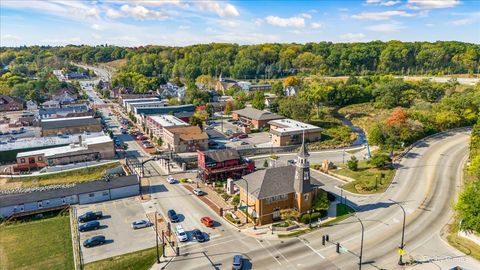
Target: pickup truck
89	216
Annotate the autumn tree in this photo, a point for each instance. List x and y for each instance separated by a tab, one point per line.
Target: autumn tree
291	81
228	108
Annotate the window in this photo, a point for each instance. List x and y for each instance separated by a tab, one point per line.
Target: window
40	204
305	196
64	200
277	198
40	158
105	193
22	207
22	160
91	195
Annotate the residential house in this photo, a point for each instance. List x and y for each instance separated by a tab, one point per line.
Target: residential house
278	188
32	105
51	104
185	139
222	164
290	91
8	103
255	118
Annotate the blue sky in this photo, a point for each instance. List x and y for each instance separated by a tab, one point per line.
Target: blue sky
179	22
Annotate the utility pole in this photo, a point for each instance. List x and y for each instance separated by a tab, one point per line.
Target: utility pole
402	244
156	237
361	244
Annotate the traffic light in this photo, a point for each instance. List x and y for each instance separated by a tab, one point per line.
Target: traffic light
221	212
323	240
338	247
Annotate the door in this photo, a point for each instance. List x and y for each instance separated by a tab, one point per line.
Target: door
276	214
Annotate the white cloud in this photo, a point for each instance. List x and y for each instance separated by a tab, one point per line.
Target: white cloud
384	15
113	14
305	15
258	22
316	25
10	38
432	4
461	22
227	10
353	37
383	2
386	28
230	24
142	13
284	22
96	26
430	24
152	3
71	9
184	27
96	36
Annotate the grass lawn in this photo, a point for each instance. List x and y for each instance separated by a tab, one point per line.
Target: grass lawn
367	178
39	244
343	212
139	260
464	245
73	176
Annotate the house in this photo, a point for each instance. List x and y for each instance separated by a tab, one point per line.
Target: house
64	96
170	89
185	139
22	204
71	125
270	99
255	118
222	164
288	131
278	188
74	76
223	84
8	103
65	112
51	104
32	105
118	91
290	91
88	149
156	123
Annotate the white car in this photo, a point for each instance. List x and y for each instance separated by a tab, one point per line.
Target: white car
181	234
198	192
142	223
234	139
171	180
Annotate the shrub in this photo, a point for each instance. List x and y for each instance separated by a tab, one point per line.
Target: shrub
265	163
331	197
231	219
315	216
236	199
352	164
379	160
275	157
305	218
183	180
225	196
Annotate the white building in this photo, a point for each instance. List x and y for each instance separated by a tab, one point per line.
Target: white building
290	132
156	123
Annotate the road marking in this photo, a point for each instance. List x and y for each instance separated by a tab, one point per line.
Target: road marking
278	251
310	247
395	220
212	245
268	251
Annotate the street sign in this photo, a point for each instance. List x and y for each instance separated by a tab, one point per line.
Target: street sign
401	252
242	207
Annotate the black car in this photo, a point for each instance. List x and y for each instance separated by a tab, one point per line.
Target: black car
89	226
198	235
94	241
172	215
89	216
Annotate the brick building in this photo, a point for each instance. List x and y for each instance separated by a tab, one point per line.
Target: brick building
289	131
277	188
222	164
72	125
254	118
185	139
8	103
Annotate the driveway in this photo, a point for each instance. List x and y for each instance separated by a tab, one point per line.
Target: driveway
115	226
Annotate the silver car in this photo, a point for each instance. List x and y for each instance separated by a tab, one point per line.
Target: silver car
142	223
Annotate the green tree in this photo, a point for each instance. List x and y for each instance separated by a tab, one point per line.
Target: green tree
380	160
295	108
468	207
258	101
321	202
352	164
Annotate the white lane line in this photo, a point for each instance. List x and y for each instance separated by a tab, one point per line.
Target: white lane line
310	247
268	252
212	245
278	251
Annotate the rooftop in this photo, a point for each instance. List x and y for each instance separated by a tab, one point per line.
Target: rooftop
291	126
67	149
255	114
68	122
189	133
167	120
222	155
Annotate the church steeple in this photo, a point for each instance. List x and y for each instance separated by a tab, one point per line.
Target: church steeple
302	170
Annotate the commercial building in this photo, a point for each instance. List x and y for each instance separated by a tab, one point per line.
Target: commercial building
72	125
288	132
22	204
185	139
156	123
65	112
8	103
278	188
254	118
222	164
124	99
89	149
183	112
146	104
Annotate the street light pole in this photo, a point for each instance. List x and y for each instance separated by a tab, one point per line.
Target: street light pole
402	244
156	237
361	244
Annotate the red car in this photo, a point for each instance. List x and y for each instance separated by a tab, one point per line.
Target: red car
243	136
142	137
207	221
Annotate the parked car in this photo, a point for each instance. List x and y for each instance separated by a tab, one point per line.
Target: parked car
181	234
94	241
142	223
207	221
243	136
230	120
198	192
89	216
123	131
171	180
244	143
147	144
212	143
198	235
172	215
234	139
142	137
89	226
237	263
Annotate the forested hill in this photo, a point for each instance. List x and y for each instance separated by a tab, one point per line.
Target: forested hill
273	60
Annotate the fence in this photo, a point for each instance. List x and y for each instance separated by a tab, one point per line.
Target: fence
77	252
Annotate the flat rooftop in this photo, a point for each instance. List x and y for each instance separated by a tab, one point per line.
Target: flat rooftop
67	149
167	120
292	126
45	141
66	119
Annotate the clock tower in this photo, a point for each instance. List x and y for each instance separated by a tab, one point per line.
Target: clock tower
301	183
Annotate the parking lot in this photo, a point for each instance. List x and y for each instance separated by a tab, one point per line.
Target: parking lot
116	227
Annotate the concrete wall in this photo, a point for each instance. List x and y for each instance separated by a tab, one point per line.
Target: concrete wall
124	192
97	196
33	206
